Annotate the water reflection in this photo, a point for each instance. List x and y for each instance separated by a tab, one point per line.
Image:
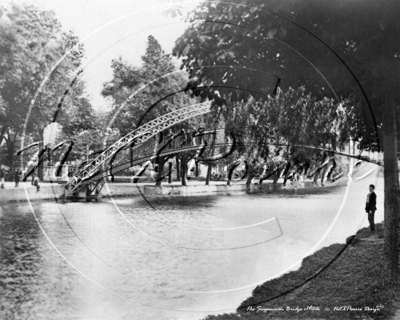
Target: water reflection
33	282
122	259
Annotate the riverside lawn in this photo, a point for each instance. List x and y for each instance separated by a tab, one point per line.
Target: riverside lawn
352	287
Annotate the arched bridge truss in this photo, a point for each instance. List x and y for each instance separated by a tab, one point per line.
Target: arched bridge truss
151	150
83	178
147	153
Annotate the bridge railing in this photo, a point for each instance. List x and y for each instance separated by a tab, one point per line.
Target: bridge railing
137	137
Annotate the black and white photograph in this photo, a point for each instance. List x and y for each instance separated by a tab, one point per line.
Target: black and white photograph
199	159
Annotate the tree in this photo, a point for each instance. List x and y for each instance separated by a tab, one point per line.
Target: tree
336	49
135	89
155	84
31	42
286	122
76	113
88	130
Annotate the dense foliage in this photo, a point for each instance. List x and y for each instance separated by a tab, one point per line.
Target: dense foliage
33	79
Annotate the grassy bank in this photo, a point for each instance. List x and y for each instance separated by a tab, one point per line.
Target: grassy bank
351	287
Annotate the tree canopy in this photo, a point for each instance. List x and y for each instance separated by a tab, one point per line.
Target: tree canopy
31	43
134	89
337	49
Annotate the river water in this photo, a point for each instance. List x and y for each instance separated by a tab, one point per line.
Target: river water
165	258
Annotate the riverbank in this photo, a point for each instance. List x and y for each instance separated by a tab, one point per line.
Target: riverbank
49	191
342	281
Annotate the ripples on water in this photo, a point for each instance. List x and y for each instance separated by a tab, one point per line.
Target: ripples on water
188	253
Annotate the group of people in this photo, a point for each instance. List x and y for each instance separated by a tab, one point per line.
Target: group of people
17	178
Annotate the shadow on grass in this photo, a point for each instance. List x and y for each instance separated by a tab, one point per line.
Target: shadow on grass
352	287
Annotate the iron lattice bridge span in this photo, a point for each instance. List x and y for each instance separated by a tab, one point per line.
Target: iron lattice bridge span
91	177
99	179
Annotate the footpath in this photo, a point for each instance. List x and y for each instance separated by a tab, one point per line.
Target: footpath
341	281
50	191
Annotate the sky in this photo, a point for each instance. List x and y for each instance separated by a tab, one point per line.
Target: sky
113	28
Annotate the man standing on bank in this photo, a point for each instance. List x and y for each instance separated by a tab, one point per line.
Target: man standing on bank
370	207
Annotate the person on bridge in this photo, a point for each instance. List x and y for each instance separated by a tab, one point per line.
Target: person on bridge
2	177
17	177
370	207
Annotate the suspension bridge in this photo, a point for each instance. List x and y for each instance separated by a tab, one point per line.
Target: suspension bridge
134	148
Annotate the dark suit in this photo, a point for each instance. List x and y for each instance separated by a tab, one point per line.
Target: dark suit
370	206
